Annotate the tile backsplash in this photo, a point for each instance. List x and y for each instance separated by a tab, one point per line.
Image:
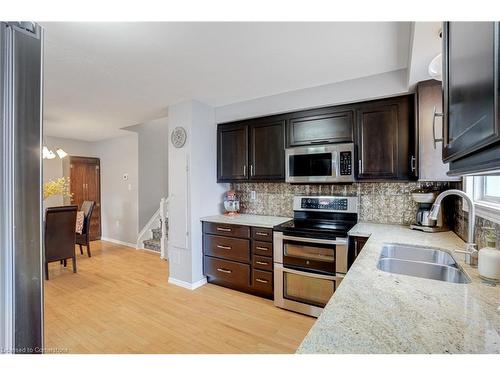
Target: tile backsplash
380	202
461	222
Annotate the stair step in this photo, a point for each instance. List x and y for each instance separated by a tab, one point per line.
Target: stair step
152	244
156	233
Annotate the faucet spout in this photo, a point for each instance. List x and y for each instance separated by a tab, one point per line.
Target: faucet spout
470	251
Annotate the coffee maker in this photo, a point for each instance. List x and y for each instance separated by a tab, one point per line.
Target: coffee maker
425	199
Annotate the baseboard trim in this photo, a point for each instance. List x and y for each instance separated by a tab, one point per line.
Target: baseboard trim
107	239
185	284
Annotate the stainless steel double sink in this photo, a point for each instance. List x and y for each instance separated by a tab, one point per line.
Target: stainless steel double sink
420	261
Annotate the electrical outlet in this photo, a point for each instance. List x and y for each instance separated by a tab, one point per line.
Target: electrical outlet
253	195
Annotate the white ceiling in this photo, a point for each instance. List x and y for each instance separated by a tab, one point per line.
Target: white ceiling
101	77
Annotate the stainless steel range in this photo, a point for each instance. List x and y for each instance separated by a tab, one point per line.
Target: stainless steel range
310	252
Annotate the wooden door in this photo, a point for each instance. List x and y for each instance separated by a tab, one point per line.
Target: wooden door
267	151
232	152
93	193
85	185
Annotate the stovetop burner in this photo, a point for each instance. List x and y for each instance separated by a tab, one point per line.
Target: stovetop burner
321	217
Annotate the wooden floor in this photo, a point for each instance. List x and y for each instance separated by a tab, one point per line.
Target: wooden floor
120	302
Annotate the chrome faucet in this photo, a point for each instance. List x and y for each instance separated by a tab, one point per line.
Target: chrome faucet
471	253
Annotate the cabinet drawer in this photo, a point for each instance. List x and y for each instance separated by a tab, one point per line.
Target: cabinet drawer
262	263
262	234
237	249
229	230
227	272
262	281
262	248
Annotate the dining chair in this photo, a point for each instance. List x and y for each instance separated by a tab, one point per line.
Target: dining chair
59	239
83	239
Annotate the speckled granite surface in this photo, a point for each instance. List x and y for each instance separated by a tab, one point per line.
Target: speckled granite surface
250	220
378	312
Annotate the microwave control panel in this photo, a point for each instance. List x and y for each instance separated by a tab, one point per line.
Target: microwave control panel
346	163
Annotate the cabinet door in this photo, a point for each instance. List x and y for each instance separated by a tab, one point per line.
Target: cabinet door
383	139
232	152
267	151
470	88
313	127
430	98
378	142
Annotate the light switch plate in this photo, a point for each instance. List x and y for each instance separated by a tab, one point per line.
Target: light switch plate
253	195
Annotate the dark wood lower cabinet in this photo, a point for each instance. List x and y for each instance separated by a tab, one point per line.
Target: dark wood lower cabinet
356	244
241	258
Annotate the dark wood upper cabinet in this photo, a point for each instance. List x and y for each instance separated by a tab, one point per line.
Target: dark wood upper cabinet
320	126
232	152
267	150
383	139
383	131
252	150
471	84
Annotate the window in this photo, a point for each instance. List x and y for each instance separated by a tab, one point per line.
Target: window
485	192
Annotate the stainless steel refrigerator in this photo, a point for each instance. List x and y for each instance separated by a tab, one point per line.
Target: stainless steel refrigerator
21	296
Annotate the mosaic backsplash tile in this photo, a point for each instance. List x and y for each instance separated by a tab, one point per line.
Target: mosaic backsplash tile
388	203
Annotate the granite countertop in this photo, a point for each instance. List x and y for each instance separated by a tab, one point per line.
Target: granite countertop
245	219
379	312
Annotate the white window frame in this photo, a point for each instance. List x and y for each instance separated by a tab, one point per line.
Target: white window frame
485	208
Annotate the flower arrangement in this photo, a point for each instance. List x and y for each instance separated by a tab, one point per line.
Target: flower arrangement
59	186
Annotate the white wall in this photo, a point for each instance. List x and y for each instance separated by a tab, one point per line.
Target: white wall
193	191
153	166
366	88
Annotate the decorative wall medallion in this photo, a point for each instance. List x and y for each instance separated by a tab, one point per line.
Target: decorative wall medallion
178	137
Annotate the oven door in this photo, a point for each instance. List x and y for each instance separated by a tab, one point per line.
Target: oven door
301	291
311	254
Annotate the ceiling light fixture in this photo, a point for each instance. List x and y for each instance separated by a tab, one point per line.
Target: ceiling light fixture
49	154
61	153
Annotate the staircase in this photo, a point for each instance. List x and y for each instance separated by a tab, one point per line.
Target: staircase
154	234
154	243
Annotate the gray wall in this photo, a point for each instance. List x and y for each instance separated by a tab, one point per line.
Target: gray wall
119	203
119	197
153	166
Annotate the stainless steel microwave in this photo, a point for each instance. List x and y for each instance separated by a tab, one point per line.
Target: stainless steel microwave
320	164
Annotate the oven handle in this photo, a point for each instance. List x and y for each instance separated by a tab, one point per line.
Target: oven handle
309	274
338	241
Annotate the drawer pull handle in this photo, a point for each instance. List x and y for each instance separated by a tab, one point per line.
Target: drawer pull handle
224	247
261	234
262	263
223	270
262	248
262	281
224	229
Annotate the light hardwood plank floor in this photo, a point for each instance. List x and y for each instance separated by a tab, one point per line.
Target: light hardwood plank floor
120	302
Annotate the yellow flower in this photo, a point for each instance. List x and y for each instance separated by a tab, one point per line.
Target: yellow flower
59	186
